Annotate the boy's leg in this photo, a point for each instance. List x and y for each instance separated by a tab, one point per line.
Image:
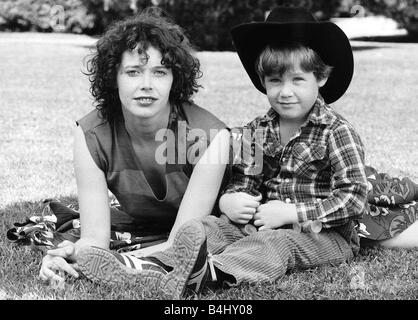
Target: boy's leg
219	233
265	256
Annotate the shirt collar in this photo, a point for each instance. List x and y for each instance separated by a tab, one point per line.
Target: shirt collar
319	113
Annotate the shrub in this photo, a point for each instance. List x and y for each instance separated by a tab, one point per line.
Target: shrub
104	12
207	22
405	12
45	16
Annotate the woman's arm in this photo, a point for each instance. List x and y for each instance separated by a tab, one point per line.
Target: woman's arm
203	187
93	201
93	196
94	213
205	181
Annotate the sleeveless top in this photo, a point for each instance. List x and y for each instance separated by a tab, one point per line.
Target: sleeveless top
190	130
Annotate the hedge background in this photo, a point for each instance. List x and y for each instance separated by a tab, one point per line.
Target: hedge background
207	22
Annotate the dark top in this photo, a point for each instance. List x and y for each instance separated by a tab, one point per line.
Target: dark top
190	130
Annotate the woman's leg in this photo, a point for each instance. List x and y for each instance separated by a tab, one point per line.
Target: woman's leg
408	239
391	220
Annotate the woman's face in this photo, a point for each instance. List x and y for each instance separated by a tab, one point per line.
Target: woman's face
144	85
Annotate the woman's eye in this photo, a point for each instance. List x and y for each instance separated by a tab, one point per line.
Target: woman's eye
132	73
160	72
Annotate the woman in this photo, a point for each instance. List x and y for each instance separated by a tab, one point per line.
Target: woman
146	141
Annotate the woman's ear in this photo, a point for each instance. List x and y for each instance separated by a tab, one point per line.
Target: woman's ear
322	82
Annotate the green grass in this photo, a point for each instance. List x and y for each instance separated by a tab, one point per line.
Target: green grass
43	91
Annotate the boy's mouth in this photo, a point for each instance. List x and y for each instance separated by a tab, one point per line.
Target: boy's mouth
287	104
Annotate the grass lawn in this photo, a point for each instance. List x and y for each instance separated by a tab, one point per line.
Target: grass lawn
42	93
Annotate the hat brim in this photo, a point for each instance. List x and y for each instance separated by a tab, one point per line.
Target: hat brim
326	38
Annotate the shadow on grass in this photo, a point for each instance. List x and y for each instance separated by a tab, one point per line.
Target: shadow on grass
395	39
404	38
362	48
356	48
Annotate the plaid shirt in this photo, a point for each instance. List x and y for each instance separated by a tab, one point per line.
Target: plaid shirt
321	169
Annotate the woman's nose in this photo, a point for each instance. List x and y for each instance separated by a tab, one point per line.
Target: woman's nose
146	81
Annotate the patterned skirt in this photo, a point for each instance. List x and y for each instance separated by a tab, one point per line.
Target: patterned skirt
392	206
59	222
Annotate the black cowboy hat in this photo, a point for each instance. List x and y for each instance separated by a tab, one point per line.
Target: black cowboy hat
297	25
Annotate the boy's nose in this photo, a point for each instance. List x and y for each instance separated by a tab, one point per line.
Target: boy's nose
286	90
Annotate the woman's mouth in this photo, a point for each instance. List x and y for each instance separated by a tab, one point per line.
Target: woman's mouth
145	100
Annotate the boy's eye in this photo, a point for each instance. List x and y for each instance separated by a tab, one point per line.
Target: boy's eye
298	79
273	79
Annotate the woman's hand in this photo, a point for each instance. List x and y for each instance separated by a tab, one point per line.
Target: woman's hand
65	249
53	267
55	262
240	207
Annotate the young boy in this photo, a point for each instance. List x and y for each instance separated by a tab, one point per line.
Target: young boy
312	168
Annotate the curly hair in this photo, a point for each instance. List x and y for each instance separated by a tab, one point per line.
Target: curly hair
149	28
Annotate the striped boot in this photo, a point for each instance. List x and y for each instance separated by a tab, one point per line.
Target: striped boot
191	258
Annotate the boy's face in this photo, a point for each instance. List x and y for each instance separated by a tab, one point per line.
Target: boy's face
293	94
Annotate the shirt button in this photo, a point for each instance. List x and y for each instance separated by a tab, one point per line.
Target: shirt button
287	200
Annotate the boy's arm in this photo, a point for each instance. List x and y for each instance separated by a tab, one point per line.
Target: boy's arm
348	182
241	181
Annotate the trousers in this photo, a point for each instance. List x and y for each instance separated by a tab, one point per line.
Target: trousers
265	256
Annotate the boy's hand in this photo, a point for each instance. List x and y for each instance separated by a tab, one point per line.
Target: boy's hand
240	207
274	214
